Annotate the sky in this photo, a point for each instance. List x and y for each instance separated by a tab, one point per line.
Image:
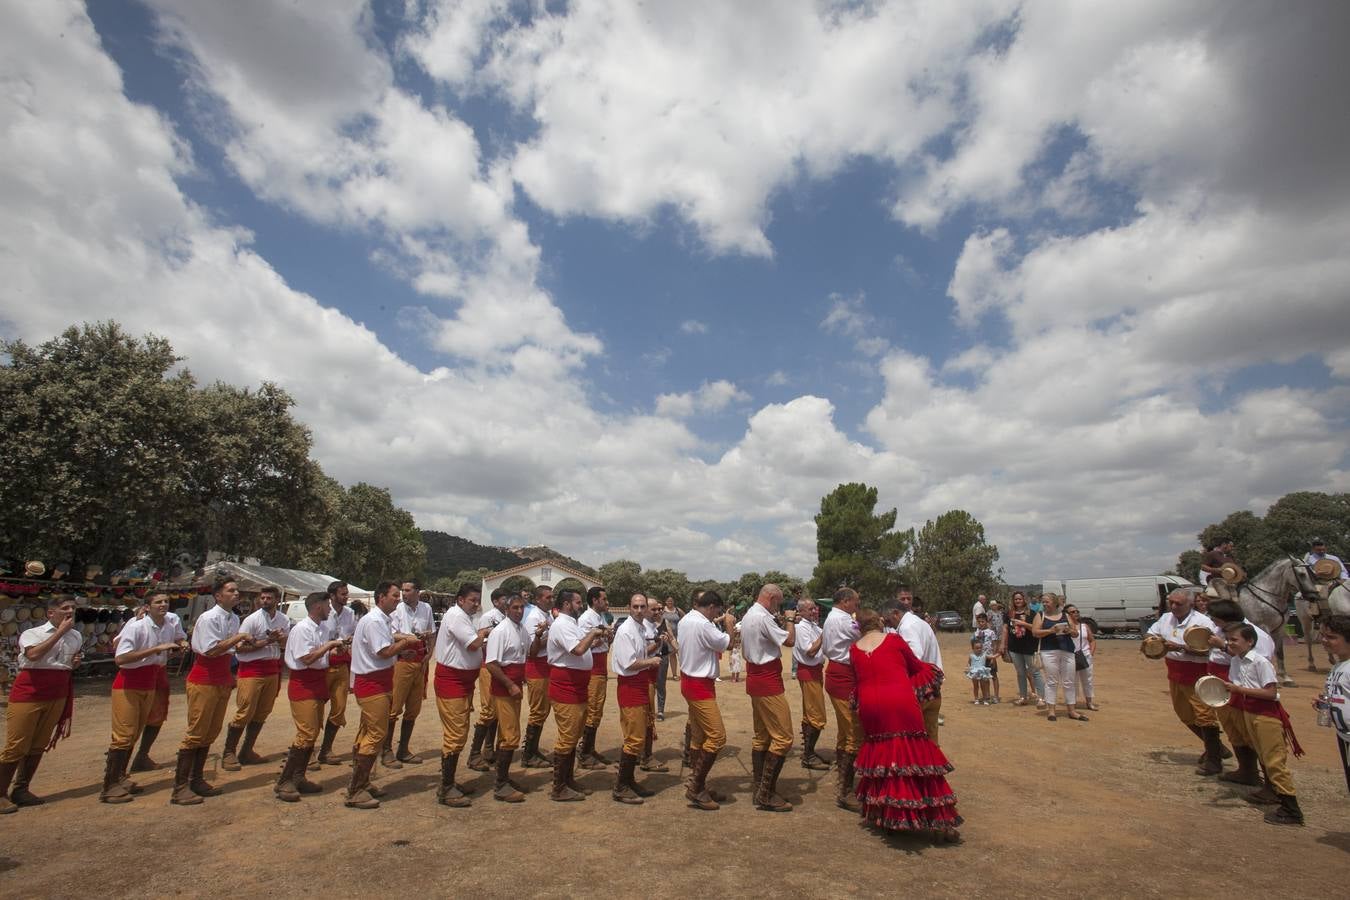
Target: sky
649	279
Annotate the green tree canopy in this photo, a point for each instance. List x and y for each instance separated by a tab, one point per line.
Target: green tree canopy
622	579
951	562
855	547
660	584
375	539
1188	565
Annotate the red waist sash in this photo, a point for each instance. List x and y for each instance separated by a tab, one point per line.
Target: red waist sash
337	658
211	670
839	680
568	685
514	671
1185	671
452	683
537	667
692	688
1275	710
162	680
809	673
40	685
308	684
600	664
1219	670
764	679
140	678
633	690
259	668
372	684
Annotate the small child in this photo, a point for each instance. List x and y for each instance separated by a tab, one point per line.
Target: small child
1255	691
737	661
978	673
989	644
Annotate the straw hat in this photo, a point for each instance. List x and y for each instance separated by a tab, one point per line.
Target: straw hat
1197	638
34	568
9	629
1232	573
1211	691
7	614
1153	646
1326	569
22	613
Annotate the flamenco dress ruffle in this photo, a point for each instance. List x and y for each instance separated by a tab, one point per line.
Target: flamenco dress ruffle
902	784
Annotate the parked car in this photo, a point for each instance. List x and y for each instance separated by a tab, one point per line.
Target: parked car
949	620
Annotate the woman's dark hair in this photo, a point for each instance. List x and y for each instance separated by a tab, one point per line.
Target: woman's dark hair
1338	624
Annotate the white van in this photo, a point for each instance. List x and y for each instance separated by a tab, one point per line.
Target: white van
1107	604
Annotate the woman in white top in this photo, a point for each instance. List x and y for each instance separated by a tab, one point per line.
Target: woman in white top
1084	642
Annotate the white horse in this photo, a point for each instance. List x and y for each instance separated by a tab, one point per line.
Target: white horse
1265	600
1336	603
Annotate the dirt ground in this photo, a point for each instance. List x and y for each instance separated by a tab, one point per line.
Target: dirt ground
1110	807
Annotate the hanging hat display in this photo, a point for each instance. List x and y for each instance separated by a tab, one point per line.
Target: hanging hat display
34	568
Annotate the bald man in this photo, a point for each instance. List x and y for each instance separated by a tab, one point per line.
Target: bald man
762	642
808	649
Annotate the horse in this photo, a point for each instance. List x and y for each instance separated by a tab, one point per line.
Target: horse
1336	603
1265	598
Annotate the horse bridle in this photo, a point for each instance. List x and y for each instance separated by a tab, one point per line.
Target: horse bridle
1283	611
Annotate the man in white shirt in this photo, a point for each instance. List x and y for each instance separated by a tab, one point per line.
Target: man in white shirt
504	661
259	682
762	642
700	643
169	632
482	752
140	654
656	639
839	633
569	659
307	647
215	635
631	655
412	616
40	700
595	616
459	656
538	618
341	625
1184	667
808	652
1317	552
375	647
978	609
1224	613
919	635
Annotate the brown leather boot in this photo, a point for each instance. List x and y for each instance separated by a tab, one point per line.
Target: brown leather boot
476	749
182	780
229	757
505	790
143	762
124	779
1246	772
1212	762
7	770
586	753
285	788
766	797
623	789
388	759
649	762
28	767
531	758
810	758
562	774
246	755
113	792
358	793
449	793
697	790
405	755
200	786
756	769
303	784
490	745
599	758
844	797
326	748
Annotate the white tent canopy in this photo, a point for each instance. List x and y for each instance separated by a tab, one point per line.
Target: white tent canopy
293	583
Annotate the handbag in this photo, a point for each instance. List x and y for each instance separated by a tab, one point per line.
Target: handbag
1036	664
1080	660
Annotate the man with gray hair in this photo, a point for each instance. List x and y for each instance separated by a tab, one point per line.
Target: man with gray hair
1184	667
809	655
763	637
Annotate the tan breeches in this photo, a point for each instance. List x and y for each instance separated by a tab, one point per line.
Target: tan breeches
338	686
308	718
29	726
410	687
487	710
207	705
706	731
595	700
254	699
1189	708
374	724
813	704
569	718
130	714
507	717
772	723
932	709
1267	736
633	724
454	712
536	689
849	734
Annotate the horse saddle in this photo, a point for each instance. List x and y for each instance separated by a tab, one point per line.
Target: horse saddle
1220	589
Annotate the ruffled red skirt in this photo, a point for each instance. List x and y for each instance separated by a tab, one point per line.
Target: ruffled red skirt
902	783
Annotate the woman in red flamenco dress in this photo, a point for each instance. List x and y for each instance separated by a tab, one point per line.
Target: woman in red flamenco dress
901	774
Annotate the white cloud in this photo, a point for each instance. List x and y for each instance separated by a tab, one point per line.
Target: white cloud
711	397
693	326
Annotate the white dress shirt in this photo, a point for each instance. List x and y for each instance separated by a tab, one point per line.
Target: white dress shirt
1265	646
453	640
1169	629
563	636
60	656
306	637
592	619
700	642
533	616
141	634
171	632
213	626
340	626
630	646
840	633
807	632
1252	671
491	618
508	643
921	639
761	638
373	634
412	621
256	625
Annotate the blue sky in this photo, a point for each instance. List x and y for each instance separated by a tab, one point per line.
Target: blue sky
614	278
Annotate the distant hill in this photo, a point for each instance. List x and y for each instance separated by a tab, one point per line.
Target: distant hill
448	555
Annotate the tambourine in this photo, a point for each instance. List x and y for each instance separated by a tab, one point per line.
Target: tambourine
1196	638
1153	647
1212	691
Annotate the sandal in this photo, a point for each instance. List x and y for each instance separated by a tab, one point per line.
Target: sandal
1079	718
1020	701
